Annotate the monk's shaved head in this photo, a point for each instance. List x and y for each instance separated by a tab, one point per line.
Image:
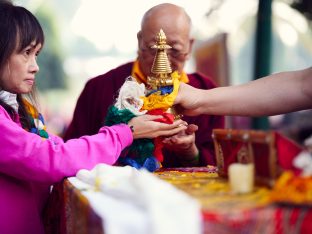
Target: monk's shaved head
166	14
176	24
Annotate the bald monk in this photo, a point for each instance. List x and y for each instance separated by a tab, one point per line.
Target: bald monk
192	147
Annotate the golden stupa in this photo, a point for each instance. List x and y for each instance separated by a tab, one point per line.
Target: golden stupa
161	69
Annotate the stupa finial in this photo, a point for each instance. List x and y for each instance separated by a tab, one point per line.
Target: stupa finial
161	68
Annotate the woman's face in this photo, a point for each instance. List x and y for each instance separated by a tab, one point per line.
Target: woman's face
19	73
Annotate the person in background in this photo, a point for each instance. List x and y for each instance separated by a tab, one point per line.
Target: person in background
31	159
192	147
275	94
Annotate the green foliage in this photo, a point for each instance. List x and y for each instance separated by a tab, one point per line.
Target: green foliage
51	74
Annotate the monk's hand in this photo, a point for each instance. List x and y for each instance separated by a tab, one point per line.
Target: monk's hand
183	143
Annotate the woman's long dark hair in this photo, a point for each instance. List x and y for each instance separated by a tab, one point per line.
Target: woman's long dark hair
18	29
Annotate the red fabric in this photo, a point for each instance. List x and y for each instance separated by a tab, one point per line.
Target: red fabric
167	117
287	150
158	144
277	220
100	92
233	153
291	219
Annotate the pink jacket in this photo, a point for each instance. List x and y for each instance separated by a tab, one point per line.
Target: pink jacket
29	165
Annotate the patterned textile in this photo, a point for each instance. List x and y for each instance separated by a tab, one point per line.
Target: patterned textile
37	122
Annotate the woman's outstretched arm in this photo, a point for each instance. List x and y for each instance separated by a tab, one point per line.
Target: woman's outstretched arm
274	94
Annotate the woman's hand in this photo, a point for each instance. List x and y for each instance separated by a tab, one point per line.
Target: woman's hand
187	100
144	126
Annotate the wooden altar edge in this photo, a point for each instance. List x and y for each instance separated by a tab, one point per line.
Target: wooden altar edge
69	211
79	215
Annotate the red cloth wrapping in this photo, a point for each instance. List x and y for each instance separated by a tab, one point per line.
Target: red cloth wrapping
158	144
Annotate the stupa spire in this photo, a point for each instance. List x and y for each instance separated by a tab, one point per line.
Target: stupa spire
161	69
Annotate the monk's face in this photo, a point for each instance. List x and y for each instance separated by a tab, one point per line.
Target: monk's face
177	31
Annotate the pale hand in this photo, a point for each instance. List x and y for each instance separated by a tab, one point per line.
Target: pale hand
145	126
186	101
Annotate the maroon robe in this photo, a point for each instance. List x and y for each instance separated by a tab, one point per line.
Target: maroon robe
100	93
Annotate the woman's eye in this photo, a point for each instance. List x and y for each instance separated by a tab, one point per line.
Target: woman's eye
27	52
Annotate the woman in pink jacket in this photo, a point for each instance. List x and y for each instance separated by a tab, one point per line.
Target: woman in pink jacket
31	159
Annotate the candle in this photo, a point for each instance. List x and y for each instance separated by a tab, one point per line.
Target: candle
241	177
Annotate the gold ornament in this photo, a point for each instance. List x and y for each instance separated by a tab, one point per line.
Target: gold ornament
161	69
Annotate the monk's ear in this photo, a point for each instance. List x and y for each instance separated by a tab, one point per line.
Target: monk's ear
139	35
191	42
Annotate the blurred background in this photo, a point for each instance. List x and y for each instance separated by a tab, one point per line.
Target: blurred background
236	41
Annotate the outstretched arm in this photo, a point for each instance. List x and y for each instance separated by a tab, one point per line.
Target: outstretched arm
274	94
